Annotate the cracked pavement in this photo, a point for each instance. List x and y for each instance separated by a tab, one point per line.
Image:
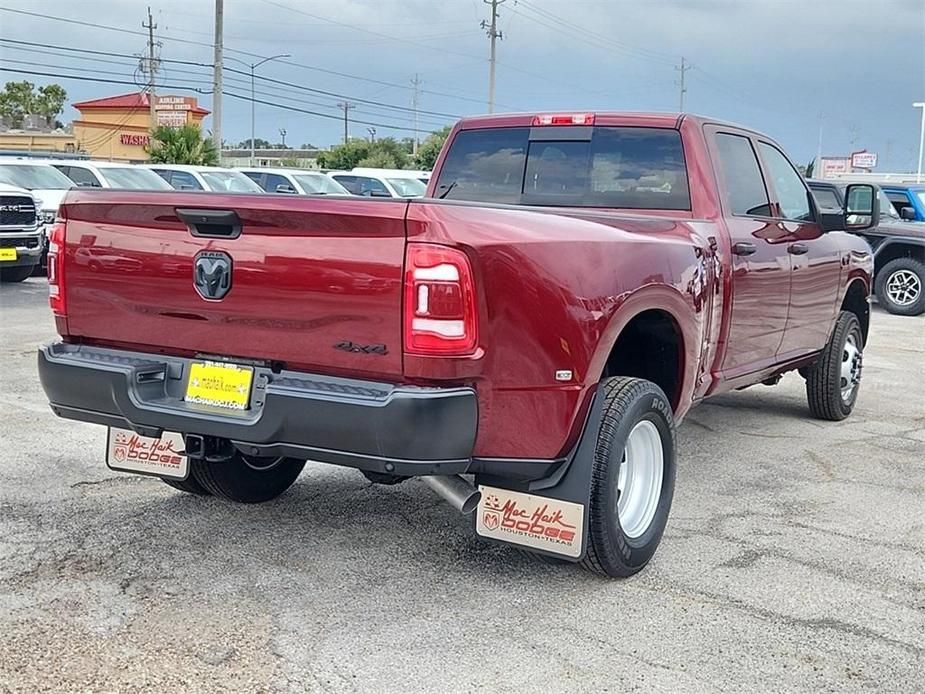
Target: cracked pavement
794	560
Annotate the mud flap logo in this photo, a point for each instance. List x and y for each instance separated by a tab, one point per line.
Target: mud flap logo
532	521
163	457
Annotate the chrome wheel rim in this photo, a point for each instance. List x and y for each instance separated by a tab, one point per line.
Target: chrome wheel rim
850	368
904	287
639	482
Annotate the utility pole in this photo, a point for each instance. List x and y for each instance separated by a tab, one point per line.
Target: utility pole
217	78
921	105
854	130
491	28
153	65
346	106
817	166
682	90
372	133
282	135
415	103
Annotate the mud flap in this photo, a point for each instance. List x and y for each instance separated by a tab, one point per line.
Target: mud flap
550	515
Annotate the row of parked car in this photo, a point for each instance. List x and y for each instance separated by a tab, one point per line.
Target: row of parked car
31	191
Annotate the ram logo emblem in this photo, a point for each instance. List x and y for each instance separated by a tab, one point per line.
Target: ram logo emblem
212	274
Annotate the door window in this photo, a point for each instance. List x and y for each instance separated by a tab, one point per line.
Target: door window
184	180
827	198
81	176
791	191
278	184
745	190
372	186
899	201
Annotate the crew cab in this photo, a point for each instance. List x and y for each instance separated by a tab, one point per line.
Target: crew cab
538	325
21	239
899	252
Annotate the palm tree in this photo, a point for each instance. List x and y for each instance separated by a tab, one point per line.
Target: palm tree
184	145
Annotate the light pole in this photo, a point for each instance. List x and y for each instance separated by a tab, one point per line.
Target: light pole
254	66
921	105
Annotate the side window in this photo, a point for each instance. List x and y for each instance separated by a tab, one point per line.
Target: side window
163	173
278	184
351	183
827	198
82	177
372	186
256	178
745	190
791	191
899	201
184	180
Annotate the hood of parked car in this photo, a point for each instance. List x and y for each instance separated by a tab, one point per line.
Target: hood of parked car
913	229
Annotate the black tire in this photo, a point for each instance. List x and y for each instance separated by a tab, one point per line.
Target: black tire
189	485
824	381
627	403
248	479
16	274
914	273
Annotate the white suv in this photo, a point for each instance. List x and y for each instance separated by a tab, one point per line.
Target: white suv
294	182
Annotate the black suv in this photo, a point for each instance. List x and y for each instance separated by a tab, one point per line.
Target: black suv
899	252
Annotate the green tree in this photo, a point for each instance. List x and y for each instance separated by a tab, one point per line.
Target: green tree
16	101
184	145
50	101
19	99
430	148
810	168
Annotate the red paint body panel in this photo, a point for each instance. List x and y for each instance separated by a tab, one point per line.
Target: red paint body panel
555	288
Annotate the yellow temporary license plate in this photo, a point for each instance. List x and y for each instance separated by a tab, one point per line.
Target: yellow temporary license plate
219	385
8	254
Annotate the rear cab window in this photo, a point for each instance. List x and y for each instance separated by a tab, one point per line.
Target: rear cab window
569	166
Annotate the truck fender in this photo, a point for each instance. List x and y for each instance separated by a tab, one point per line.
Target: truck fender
661	298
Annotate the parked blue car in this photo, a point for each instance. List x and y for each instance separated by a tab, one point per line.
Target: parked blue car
908	200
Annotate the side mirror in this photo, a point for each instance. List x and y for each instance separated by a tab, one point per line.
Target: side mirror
285	188
907	213
862	206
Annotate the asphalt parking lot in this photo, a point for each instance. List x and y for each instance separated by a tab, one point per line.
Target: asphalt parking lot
794	560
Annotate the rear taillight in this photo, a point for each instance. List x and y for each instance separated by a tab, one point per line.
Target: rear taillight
564	119
440	303
56	296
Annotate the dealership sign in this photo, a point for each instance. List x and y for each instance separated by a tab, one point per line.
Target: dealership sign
172	119
863	160
175	103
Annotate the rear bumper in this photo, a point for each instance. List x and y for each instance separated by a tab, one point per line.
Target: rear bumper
374	426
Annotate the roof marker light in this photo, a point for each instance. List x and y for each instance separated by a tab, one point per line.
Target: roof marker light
564	119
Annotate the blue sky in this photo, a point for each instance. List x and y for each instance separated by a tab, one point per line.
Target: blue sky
781	66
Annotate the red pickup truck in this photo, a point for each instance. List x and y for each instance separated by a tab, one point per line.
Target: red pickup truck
571	286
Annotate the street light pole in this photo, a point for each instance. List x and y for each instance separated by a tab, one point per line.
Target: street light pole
253	67
921	105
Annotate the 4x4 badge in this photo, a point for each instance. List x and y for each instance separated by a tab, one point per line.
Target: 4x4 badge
212	274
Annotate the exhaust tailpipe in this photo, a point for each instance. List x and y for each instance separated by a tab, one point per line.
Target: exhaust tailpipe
456	490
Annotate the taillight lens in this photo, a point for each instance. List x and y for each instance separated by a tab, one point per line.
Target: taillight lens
56	297
441	317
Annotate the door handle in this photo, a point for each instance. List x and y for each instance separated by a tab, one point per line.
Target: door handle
744	248
798	249
222	224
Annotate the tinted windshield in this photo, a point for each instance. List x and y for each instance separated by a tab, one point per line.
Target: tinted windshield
407	187
319	184
230	182
33	176
134	179
568	166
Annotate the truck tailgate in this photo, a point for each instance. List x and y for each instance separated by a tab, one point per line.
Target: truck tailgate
315	282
